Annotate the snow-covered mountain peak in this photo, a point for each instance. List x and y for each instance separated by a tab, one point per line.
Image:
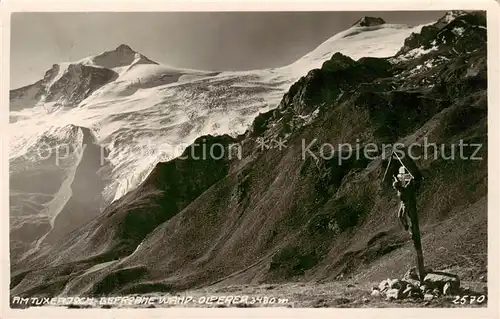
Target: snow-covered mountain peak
122	56
374	40
69	83
124	49
368	22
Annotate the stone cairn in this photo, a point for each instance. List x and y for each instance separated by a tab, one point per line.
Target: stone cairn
435	284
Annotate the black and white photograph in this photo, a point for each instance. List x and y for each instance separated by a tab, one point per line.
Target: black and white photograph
248	159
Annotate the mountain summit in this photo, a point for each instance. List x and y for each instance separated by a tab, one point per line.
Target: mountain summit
69	83
368	22
123	55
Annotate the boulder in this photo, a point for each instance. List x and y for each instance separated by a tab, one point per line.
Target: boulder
412	282
397	284
447	289
436	292
384	285
416	294
428	297
412	274
407	291
392	294
437	280
375	293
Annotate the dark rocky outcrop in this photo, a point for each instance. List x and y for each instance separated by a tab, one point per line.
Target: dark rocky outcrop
73	85
77	83
337	75
369	22
463	33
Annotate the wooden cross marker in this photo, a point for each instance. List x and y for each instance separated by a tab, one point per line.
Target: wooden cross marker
410	204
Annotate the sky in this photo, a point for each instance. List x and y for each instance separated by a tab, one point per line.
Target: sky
198	40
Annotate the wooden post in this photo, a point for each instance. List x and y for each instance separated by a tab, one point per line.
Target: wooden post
417	177
415	234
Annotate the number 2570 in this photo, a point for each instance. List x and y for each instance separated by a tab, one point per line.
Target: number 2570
462	300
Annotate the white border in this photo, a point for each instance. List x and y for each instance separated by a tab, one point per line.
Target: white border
344	5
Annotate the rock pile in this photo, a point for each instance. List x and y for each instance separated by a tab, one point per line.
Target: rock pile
435	284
